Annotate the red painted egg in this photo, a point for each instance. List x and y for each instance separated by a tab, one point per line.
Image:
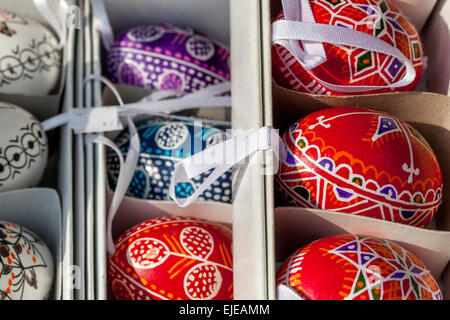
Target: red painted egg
173	258
348	66
349	267
362	162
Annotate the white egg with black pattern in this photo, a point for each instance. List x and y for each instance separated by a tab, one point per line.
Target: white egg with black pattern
23	148
30	60
26	264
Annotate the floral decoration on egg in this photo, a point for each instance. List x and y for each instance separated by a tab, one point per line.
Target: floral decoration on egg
23	148
26	264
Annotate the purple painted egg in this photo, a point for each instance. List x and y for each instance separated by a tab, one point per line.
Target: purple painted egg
165	57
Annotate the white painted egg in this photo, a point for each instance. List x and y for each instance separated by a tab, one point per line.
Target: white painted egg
23	148
27	268
30	62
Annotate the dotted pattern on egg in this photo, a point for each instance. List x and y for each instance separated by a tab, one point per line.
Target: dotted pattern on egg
202	282
164	57
162	146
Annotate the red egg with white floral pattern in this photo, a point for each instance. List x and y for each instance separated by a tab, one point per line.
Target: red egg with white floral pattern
361	162
350	66
172	258
350	267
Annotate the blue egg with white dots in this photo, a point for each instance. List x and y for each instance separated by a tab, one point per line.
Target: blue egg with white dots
164	143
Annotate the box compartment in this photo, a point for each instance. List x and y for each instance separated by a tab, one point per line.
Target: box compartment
289	228
219	19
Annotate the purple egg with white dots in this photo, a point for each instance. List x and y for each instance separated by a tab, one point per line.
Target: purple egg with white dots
165	57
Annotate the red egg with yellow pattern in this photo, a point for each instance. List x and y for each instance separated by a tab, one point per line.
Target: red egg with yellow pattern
172	258
362	162
349	66
350	267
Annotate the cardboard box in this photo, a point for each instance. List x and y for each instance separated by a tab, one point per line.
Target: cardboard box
213	18
289	228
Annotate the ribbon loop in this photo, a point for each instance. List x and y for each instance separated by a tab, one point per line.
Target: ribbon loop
221	158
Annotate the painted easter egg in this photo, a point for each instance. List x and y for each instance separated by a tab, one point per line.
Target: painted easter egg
27	268
163	144
165	57
350	267
30	62
348	66
173	258
362	162
23	148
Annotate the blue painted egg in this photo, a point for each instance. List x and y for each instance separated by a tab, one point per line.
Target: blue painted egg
163	144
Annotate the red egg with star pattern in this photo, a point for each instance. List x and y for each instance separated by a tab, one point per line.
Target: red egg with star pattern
172	258
362	162
349	66
351	267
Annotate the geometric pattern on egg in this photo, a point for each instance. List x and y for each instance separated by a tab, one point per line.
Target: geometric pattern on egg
23	148
350	66
30	60
362	268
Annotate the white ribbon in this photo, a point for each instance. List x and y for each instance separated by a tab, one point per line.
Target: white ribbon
104	119
58	25
313	53
126	173
90	120
287	32
101	21
221	157
127	167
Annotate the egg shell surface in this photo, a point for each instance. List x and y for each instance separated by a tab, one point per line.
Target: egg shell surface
166	57
361	162
27	267
349	66
163	144
30	61
23	148
350	267
173	258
